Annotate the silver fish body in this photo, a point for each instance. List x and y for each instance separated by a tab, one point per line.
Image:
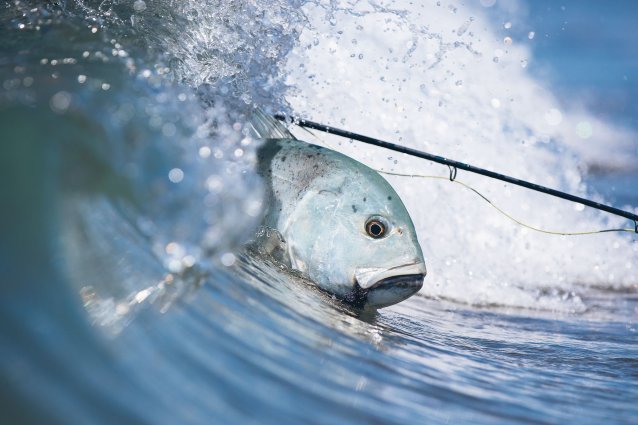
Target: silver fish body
343	225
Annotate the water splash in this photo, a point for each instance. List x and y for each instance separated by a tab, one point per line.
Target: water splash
406	90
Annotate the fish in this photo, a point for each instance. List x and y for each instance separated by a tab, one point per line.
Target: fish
335	220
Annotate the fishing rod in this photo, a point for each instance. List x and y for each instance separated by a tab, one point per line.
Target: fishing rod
455	165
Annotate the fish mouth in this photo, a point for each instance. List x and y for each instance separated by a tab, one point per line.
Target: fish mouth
367	277
386	292
405	281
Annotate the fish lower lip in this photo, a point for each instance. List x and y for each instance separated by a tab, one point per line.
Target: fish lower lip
405	281
386	292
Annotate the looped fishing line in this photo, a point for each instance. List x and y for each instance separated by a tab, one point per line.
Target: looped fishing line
453	171
452	178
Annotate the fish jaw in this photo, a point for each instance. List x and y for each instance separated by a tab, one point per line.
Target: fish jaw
393	290
382	287
367	277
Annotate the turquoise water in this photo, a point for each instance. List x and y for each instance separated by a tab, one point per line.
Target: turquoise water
129	189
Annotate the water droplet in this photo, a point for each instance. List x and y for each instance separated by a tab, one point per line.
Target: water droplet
169	129
531	35
173	248
507	25
188	261
507	41
176	175
252	207
228	259
214	183
553	117
584	130
495	103
60	102
139	5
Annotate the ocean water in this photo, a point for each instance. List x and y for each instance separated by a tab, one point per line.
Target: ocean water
129	191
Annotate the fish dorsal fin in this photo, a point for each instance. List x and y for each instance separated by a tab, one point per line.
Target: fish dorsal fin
264	126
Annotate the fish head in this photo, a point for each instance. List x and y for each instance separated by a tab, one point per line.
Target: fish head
355	239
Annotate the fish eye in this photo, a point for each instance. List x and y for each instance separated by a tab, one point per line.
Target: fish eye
376	227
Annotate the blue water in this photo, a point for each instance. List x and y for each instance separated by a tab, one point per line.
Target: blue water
588	55
585	51
128	190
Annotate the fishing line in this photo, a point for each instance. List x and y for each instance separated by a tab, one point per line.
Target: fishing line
452	178
455	165
506	214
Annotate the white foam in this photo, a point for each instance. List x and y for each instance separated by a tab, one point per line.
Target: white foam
439	77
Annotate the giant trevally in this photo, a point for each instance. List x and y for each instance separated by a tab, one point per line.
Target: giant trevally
339	222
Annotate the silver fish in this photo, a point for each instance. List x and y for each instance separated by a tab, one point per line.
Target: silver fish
340	223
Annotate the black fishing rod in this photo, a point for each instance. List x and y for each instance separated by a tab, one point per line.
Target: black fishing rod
460	165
